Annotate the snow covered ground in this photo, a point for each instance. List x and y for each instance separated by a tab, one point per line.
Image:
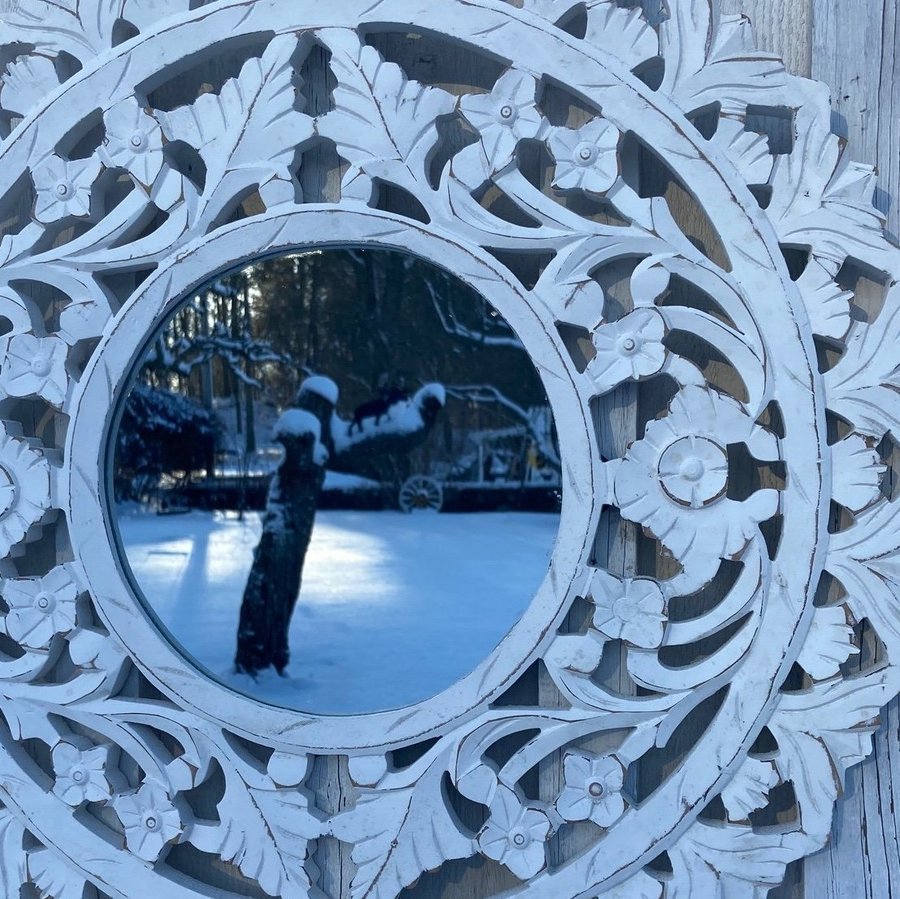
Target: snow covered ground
393	607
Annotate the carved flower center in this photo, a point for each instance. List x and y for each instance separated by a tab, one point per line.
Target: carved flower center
151	822
137	140
692	469
44	601
519	837
596	789
624	608
63	190
79	775
507	113
585	153
629	345
40	365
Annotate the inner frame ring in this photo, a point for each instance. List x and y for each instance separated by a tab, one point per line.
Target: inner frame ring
94	533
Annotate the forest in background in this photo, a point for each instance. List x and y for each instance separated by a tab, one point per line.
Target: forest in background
216	376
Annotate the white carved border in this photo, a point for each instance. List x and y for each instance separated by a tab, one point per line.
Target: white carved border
87	717
94	407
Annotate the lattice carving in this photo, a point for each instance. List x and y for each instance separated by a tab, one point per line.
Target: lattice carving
546	171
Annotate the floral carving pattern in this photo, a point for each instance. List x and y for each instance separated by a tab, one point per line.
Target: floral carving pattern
64	188
133	141
81	774
728	476
505	116
40	608
36	365
515	835
150	820
586	159
593	790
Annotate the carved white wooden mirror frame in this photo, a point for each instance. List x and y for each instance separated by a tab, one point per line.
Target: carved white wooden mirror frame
111	735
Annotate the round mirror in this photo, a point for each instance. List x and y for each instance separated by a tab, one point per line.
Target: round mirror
336	480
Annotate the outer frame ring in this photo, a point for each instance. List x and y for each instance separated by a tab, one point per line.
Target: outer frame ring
93	533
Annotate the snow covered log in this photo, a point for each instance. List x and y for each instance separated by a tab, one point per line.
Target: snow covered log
402	427
313	436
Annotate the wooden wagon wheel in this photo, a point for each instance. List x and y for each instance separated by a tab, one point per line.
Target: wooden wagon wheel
131	178
420	493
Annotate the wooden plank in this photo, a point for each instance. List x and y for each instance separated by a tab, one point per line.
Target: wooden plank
782	27
854	51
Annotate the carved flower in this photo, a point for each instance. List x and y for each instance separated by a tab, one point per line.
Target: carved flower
674	480
515	834
64	187
24	489
504	116
629	348
40	607
149	818
586	159
36	365
133	141
80	774
593	790
632	610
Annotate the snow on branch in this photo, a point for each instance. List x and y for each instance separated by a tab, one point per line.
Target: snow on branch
186	353
487	393
402	420
453	326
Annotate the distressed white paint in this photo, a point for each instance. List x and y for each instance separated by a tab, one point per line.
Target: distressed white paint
142	759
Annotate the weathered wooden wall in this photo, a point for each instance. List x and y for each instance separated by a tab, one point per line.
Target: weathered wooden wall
851	45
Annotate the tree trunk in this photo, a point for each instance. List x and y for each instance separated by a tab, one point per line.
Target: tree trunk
312	436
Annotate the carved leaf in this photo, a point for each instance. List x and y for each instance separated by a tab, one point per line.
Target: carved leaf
863	386
705	66
27	81
827	304
145	13
266	834
248	133
832	214
82	320
398	835
60	25
379	117
747	150
12	854
28	720
639	886
749	789
77	27
622	33
866	560
732	862
821	733
53	877
857	471
829	643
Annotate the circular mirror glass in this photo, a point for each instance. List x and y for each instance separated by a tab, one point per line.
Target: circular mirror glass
336	480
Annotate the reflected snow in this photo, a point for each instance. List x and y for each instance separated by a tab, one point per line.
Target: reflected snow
393	608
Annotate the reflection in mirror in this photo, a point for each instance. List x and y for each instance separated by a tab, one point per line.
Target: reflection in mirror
336	480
